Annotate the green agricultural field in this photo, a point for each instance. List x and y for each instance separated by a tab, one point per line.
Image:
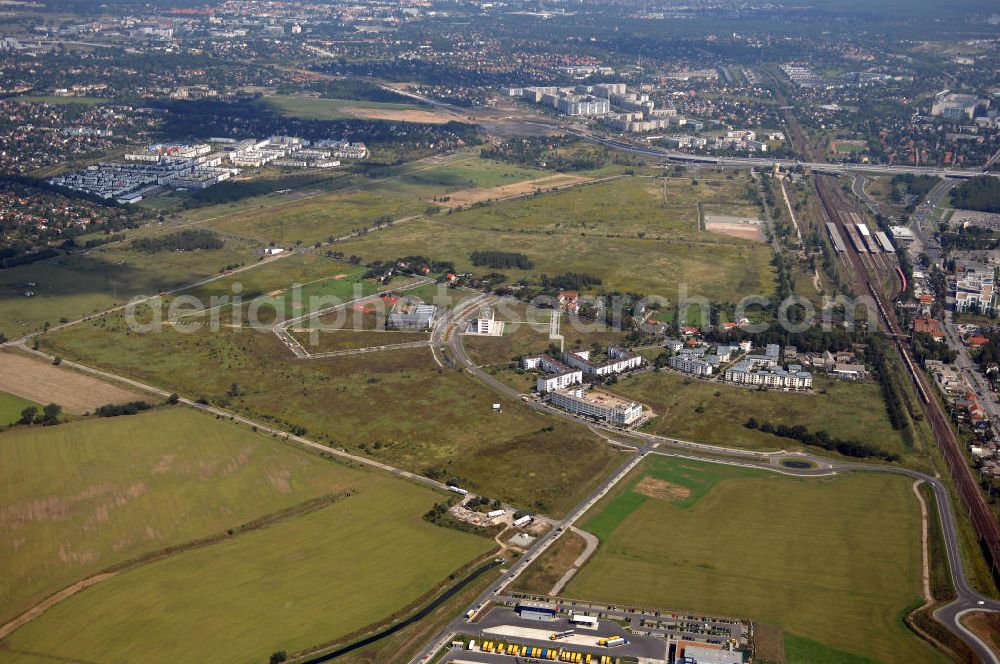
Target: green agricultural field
834	561
11	407
849	410
365	403
79	284
85	495
309	108
287	586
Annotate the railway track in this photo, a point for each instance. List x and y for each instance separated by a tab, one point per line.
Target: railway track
972	500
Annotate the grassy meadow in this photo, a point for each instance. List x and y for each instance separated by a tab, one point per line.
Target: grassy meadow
849	410
835	562
619	231
366	403
76	285
407	191
11	407
311	108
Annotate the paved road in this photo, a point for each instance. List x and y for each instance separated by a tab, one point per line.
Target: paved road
922	224
555	124
967	599
281	328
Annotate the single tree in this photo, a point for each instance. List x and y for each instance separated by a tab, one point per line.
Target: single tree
28	415
50	414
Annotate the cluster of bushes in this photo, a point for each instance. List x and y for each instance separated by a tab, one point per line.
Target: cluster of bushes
116	409
186	240
439	516
569	281
979	193
48	416
851	448
501	259
916	185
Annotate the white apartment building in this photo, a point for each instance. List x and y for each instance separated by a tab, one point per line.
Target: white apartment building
690	363
485	324
557	375
975	292
748	373
619	360
598	405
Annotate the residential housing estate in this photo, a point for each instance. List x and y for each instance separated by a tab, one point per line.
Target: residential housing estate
763	370
974	289
619	360
563	384
598	405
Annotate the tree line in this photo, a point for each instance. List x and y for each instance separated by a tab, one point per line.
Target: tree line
822	439
501	259
186	240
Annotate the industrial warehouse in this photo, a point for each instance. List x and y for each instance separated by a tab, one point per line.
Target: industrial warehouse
513	630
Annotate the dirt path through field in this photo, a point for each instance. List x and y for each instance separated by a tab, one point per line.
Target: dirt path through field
926	575
42	607
592	543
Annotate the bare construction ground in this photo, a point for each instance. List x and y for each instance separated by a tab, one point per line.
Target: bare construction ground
744	228
425	117
469	196
41	382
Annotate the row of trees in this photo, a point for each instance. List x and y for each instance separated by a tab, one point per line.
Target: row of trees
186	240
116	409
822	439
569	281
892	391
501	259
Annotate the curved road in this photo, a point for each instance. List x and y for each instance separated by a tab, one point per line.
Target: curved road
967	599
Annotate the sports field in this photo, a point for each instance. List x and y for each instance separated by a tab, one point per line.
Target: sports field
835	561
103	491
848	410
11	407
365	403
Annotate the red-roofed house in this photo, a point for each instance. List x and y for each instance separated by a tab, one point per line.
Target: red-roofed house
977	341
569	301
929	326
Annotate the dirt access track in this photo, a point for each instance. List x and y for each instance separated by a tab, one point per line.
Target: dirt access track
476	195
42	382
